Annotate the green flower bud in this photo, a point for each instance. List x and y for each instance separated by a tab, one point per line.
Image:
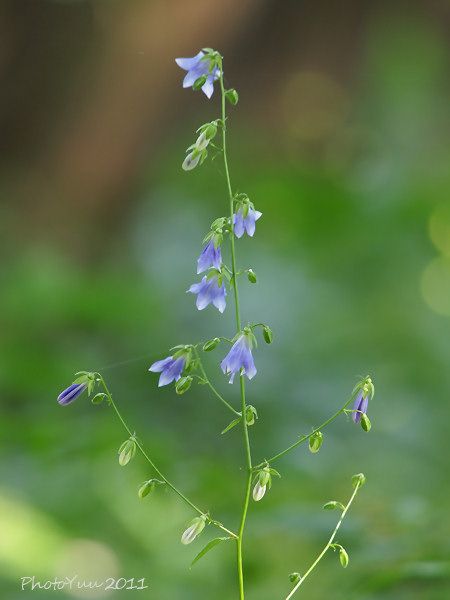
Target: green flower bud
315	441
98	398
330	505
208	346
365	422
358	480
267	334
126	451
343	557
250	414
294	577
196	526
146	488
258	491
251	276
231	95
183	384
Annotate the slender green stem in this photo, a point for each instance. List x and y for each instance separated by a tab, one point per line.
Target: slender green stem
306	437
210	385
238	325
329	543
152	464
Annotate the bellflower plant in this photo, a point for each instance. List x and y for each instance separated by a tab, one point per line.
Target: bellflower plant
184	366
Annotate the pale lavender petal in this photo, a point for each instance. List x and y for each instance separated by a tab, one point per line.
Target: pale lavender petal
172	371
208	86
219	301
239	224
189	63
360	404
196	288
160	365
249	222
209	256
192	77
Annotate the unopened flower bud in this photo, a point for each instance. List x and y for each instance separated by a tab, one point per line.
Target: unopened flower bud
126	452
343	557
196	526
358	480
258	491
315	441
294	577
146	488
251	276
250	414
183	384
232	96
98	398
365	422
267	334
208	346
330	505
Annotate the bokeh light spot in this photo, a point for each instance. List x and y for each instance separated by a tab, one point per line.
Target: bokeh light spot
436	285
439	228
92	562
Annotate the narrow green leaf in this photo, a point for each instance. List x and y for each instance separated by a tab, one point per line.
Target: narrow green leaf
231	425
209	546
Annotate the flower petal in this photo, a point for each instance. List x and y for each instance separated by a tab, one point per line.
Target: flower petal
160	365
189	63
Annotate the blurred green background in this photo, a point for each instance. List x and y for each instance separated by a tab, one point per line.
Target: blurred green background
340	138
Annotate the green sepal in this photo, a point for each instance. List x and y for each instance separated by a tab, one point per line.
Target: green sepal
147	487
245	208
218	238
98	398
91	386
179	352
200	82
207	237
82	379
209	546
232	96
192	365
231	425
267	334
218	224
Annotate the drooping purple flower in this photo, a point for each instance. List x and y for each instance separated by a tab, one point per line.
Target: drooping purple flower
71	393
208	290
170	369
361	403
248	224
239	359
196	68
209	257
